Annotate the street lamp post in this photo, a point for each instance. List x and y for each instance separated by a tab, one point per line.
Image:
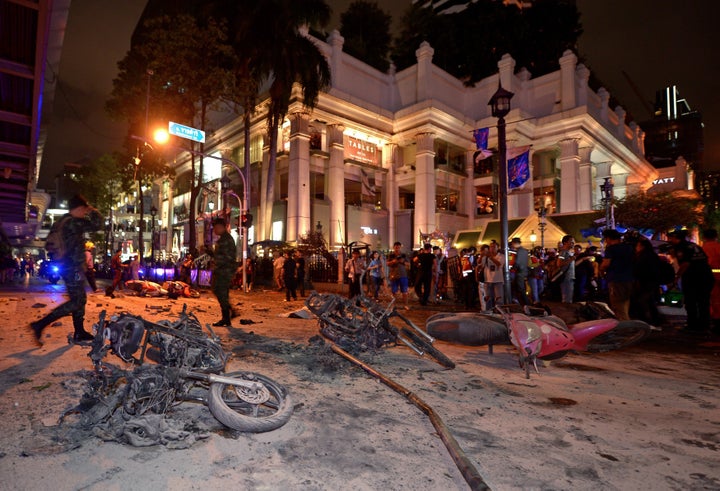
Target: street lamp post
541	225
533	238
606	191
243	202
153	212
500	107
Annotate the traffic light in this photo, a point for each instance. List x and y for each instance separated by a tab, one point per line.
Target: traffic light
246	220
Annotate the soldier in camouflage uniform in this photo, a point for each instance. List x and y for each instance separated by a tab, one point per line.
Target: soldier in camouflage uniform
224	269
83	218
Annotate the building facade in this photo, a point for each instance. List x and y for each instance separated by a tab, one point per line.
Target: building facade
387	157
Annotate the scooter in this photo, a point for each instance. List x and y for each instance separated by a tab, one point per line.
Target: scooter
548	338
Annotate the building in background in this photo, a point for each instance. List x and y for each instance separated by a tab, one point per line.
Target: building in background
675	132
33	34
387	157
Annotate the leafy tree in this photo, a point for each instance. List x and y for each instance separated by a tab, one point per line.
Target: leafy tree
178	69
659	212
470	37
366	29
278	53
100	182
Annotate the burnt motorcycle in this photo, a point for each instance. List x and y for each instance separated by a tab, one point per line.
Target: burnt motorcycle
188	366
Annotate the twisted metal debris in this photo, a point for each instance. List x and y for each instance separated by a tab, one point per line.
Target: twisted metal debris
361	324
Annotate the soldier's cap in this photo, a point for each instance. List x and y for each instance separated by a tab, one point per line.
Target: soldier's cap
516	240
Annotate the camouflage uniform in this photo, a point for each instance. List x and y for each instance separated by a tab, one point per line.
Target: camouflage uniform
72	269
225	266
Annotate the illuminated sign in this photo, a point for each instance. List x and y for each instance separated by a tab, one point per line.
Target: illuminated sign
361	151
664	180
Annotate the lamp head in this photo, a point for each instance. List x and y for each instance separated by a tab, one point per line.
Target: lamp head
500	102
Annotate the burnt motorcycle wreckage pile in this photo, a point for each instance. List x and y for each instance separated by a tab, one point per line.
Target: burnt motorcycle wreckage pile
361	324
136	406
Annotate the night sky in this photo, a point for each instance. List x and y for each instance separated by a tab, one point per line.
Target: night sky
656	42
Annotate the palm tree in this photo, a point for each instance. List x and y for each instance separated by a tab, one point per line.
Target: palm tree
271	39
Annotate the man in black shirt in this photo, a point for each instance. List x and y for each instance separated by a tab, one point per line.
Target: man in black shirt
695	278
426	266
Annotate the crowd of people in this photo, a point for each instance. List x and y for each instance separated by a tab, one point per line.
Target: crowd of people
628	273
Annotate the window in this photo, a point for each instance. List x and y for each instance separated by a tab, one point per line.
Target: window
544	164
450	156
484	167
407	200
446	201
256	148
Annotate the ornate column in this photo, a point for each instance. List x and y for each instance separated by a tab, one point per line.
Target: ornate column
336	185
336	41
266	202
392	194
620	132
569	175
583	77
506	70
298	208
424	56
568	62
586	183
604	103
424	185
469	201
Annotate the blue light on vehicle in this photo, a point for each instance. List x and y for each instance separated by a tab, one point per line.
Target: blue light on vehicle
55	269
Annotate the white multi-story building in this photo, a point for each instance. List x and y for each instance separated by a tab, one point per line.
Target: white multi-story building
389	156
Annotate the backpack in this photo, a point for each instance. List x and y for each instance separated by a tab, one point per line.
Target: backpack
54	243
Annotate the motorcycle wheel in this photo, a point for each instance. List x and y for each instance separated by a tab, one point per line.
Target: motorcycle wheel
54	279
247	410
625	334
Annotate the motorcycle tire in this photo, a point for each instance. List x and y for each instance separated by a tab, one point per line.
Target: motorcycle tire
238	414
128	339
53	280
626	333
428	348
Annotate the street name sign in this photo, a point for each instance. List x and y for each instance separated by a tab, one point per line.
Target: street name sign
186	132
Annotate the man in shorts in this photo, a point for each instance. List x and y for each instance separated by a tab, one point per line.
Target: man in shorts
397	265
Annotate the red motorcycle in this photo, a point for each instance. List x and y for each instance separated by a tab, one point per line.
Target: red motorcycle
549	338
537	335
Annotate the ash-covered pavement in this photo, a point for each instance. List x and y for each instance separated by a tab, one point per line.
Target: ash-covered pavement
641	418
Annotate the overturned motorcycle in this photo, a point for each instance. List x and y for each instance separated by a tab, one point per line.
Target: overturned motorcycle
538	336
188	367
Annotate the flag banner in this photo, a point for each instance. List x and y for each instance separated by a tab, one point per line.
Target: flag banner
481	155
481	138
518	166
